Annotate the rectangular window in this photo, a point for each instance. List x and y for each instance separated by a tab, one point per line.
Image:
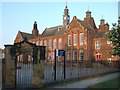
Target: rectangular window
97	45
37	43
54	43
69	40
50	43
69	55
60	43
81	55
45	42
41	43
75	56
75	39
81	39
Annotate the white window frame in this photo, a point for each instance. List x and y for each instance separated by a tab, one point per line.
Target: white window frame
45	42
60	42
55	43
81	51
81	38
69	40
50	43
41	43
75	39
97	45
74	55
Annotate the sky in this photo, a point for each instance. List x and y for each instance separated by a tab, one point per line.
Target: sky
21	15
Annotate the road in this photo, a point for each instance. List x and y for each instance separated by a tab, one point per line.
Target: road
89	82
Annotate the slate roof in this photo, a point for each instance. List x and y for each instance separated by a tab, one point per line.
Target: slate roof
60	29
100	35
85	25
27	35
54	30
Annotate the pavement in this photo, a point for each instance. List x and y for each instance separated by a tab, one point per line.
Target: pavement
88	82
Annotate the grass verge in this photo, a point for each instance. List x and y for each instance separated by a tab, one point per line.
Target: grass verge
113	83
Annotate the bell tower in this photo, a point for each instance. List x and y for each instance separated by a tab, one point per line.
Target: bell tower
66	16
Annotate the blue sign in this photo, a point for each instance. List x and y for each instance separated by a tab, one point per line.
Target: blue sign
60	52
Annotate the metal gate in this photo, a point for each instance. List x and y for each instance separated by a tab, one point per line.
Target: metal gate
24	70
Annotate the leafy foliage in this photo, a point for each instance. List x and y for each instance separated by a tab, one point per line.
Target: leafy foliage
114	36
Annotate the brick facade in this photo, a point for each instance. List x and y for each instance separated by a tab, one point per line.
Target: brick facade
81	47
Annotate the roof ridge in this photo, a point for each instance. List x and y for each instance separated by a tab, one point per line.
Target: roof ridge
25	32
54	26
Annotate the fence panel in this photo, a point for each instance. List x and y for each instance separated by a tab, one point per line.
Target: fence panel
77	70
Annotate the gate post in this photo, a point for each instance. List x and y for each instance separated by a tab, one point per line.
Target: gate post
38	69
9	68
38	75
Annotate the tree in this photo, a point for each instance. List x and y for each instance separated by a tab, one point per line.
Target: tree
114	36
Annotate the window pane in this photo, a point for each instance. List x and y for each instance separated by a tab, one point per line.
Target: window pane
60	43
81	39
75	56
97	45
50	43
81	55
45	43
54	43
69	55
75	39
69	40
41	43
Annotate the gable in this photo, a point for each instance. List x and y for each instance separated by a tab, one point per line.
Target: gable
22	35
18	38
75	26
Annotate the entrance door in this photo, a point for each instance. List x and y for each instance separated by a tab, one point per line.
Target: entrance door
98	57
24	71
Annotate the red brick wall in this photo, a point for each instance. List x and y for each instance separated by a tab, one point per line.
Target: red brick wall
18	38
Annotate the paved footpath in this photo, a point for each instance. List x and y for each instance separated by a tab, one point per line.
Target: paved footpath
88	82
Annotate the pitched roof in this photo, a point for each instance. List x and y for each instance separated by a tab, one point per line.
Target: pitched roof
27	35
85	25
100	35
60	29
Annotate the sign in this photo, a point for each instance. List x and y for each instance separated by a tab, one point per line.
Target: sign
60	52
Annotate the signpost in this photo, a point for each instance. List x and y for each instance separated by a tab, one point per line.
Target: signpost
59	53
